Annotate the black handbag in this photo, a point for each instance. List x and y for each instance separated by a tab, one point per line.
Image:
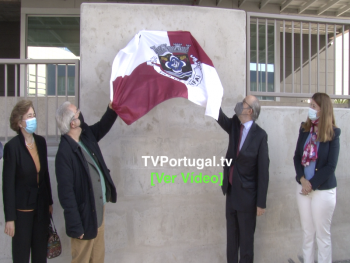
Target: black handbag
54	248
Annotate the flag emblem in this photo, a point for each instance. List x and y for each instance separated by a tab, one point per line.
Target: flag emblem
175	63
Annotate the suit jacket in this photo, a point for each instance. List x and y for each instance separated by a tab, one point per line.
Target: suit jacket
19	178
74	184
326	162
1	150
251	166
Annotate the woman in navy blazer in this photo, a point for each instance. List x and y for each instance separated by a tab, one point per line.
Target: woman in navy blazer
315	160
26	187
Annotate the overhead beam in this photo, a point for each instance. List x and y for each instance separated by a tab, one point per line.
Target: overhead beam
343	10
57	36
327	6
241	2
59	20
285	5
263	3
306	6
31	40
218	2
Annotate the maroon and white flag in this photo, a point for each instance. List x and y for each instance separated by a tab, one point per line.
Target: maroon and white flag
158	65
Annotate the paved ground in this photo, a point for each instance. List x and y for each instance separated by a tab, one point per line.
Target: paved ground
302	260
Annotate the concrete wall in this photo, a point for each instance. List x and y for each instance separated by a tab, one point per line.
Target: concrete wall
166	222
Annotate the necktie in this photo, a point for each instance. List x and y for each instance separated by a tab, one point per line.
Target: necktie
239	142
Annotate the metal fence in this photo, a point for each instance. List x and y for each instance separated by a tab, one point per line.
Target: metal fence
47	82
295	56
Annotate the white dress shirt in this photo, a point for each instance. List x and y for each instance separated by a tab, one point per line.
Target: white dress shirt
245	131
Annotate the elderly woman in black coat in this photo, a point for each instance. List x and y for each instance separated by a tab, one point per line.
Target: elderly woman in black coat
26	187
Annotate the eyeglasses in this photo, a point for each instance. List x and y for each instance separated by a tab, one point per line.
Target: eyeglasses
73	118
247	104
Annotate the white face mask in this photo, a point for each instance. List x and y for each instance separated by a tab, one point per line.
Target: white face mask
312	114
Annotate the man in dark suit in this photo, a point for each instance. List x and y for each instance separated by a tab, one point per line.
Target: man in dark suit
245	178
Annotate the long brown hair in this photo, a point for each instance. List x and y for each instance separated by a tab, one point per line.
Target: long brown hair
326	122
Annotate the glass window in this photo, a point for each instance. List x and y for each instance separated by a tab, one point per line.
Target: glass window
59	35
51	37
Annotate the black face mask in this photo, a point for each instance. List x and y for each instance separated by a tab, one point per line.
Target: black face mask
81	118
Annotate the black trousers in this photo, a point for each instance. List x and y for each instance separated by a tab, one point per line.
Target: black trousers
30	237
240	233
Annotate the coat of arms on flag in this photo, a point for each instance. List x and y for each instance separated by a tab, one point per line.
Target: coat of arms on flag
175	62
160	65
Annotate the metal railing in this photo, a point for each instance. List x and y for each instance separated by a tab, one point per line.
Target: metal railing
30	80
295	56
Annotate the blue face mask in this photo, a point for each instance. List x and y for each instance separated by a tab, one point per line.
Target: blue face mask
312	114
31	125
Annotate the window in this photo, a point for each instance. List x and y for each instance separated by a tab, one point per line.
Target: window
51	37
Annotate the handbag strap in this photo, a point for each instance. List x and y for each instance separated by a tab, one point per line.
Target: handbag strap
54	227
